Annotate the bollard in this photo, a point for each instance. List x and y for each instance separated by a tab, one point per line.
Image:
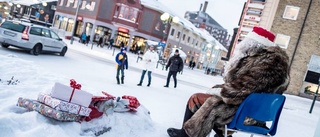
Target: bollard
315	97
113	51
71	41
157	64
137	59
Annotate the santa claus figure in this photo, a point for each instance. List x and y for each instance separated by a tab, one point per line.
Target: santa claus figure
257	66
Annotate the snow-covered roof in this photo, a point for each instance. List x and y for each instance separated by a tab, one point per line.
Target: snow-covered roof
158	6
27	2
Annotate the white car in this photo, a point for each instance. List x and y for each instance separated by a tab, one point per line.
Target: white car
35	38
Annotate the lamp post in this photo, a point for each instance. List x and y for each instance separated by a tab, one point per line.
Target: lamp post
315	97
75	20
167	19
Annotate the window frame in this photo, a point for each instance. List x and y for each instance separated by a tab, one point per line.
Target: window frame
284	37
288	9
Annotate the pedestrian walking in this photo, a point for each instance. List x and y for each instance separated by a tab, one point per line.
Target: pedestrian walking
83	37
111	41
100	42
122	63
150	59
176	65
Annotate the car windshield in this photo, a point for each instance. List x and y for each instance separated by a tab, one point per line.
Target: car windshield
13	26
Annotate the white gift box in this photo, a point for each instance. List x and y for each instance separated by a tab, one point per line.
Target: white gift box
63	105
71	95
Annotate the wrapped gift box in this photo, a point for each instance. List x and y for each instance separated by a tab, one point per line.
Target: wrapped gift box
71	95
48	111
63	105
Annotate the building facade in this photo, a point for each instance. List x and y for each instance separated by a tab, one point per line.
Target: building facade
130	22
255	13
201	19
297	27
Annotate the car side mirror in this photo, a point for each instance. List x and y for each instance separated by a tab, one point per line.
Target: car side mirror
59	39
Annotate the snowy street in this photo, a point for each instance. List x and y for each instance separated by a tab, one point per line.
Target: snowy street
95	71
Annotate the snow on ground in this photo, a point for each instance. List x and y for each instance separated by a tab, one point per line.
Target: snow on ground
95	70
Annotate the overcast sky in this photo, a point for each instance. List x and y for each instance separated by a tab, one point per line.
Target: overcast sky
225	12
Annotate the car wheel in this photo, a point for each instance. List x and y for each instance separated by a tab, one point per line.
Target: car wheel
63	51
36	50
5	45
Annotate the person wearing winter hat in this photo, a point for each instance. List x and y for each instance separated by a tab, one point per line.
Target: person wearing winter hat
150	59
176	65
122	63
257	66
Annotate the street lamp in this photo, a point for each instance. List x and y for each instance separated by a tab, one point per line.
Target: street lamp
167	19
75	20
76	16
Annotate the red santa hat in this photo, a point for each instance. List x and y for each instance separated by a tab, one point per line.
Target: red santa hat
262	35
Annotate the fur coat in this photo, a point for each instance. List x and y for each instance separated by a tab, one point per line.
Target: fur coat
255	69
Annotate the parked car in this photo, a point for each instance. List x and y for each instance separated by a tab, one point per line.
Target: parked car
36	39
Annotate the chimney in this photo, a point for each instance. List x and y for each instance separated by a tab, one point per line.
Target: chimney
200	7
205	6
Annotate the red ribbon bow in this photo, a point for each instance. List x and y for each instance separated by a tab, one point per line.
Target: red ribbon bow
74	85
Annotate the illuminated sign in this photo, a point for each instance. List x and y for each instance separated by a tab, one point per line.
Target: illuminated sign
79	18
123	30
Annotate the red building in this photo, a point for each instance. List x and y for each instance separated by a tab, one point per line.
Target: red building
126	21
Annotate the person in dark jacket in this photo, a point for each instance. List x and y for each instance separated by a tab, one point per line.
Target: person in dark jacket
122	63
176	65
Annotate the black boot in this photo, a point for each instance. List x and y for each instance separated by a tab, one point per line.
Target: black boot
139	84
122	80
173	132
118	81
149	84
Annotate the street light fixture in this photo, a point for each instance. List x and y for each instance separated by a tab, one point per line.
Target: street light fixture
75	18
167	19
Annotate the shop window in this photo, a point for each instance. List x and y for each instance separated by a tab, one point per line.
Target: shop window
291	12
57	21
282	40
127	13
89	27
64	24
172	32
79	28
70	25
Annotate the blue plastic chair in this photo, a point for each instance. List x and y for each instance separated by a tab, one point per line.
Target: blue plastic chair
259	106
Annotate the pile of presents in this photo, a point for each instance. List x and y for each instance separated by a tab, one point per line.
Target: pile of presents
70	103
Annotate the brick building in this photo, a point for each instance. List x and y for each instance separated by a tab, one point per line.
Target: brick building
296	24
